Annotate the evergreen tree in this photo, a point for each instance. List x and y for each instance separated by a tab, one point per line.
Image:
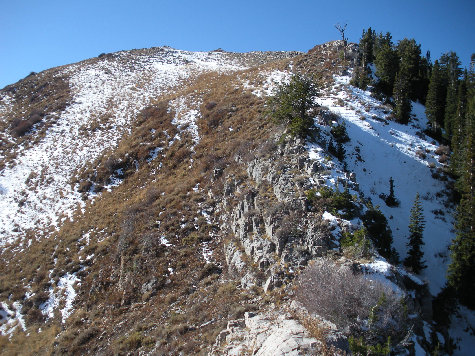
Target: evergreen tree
461	272
366	47
450	63
361	78
436	96
387	65
450	110
391	198
382	41
292	104
416	229
422	85
402	101
457	141
409	53
378	230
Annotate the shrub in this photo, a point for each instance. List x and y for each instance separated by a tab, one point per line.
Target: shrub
339	133
22	128
134	341
311	196
442	150
338	203
363	307
356	244
421	154
360	348
209	269
210	105
378	230
443	159
85	336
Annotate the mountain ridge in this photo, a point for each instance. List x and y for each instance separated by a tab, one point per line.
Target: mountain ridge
183	193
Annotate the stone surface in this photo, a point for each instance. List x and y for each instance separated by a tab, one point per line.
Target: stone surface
266	334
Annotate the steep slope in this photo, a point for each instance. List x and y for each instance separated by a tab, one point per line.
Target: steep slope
381	149
105	95
125	166
150	186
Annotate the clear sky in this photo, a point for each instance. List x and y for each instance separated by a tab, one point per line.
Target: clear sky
37	35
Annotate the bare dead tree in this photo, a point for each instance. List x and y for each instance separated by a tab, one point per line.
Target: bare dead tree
342	30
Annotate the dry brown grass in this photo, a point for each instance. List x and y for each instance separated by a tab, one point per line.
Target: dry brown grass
126	225
33	97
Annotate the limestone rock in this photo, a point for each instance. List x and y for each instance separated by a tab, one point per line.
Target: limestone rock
272	333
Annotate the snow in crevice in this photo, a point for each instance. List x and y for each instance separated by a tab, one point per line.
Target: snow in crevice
11	319
187	112
62	296
270	81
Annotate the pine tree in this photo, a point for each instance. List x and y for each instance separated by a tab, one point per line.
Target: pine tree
402	101
378	230
292	103
450	63
450	110
422	84
435	102
409	53
387	65
391	198
361	78
366	47
416	229
461	272
457	141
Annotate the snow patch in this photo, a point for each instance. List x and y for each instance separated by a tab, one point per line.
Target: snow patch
64	295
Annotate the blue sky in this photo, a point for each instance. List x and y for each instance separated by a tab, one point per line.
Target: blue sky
37	35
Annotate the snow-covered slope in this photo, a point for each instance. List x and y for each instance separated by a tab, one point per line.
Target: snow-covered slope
36	191
380	149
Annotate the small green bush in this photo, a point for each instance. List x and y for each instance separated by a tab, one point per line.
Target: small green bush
311	196
338	203
356	244
358	347
339	133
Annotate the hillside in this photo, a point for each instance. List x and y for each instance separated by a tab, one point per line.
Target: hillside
150	204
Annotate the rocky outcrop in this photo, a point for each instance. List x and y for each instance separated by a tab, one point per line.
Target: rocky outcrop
268	215
268	333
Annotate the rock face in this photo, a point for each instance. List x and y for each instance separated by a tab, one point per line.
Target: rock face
267	213
266	334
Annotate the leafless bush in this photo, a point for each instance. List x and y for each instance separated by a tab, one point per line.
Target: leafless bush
351	301
442	150
112	164
443	159
217	117
421	154
21	128
210	105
